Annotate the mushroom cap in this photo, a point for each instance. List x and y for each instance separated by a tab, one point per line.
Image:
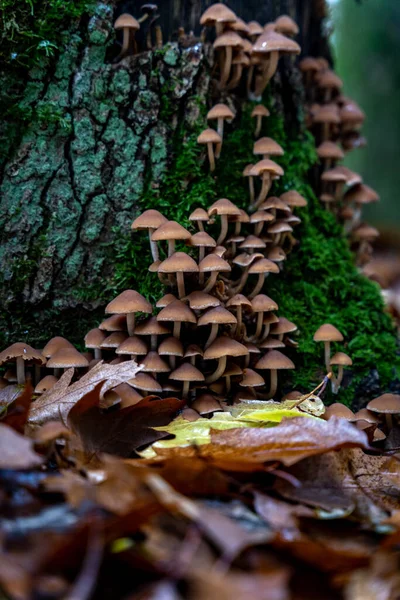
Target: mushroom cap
340	358
365	232
251	379
202	239
165	300
132	345
218	316
186	372
205	404
24	351
217	13
276	254
224	346
252	348
261	216
171	230
279	227
113	323
309	64
232	370
334	175
149	219
274	202
220	111
283	326
177	311
219	251
272	41
67	357
293	199
271	343
247	171
94	338
261	303
114	340
327	333
361	194
252	241
179	262
129	302
267	145
209	136
223	206
193	350
153	363
330	150
351	113
327	198
274	360
385	404
199	214
228	39
201	300
266	165
366	415
263	266
213	262
270	318
239	300
329	79
45	384
338	410
260	110
55	344
145	382
126	21
352	178
328	113
151	327
170	347
285	24
242	217
244	259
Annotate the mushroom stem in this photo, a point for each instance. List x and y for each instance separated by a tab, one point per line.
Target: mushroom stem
258	228
268	73
226	67
177	329
259	325
251	189
185	389
239	317
336	381
242	282
236	77
172	362
181	284
20	371
153	246
227	384
130	323
200	225
211	282
224	229
266	185
220	130
258	126
273	384
211	156
126	42
389	421
159	36
325	131
202	252
327	346
97	353
265	334
249	80
259	285
153	342
213	335
218	371
171	247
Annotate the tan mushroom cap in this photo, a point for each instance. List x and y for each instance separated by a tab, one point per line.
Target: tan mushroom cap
244	259
132	345
352	178
334	175
272	41
385	404
274	202
330	150
186	372
114	323
239	300
242	217
270	318
327	198
279	227
366	415
223	206
55	344
177	311
209	136
126	21
309	64
327	333
165	300
267	145
24	351
361	194
202	239
271	343
263	266
218	316
252	348
151	327
193	350
219	251
255	29
45	384
283	326
199	214
129	301
261	303
251	379
338	410
67	357
276	254
206	404
267	165
170	347
201	300
220	111
179	262
274	360
114	340
247	170
217	13
252	241
213	262
145	382
293	199
224	346
228	39
171	230
342	359
94	338
351	113
365	232
153	363
285	24
260	111
327	113
329	79
261	216
150	219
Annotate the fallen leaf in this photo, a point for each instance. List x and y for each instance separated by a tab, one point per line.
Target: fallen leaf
56	403
50	431
17	412
268	411
281	516
16	451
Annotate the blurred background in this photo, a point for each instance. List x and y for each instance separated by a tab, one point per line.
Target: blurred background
366	47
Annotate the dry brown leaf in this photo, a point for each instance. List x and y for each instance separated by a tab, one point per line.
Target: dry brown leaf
56	403
281	516
16	450
50	431
17	412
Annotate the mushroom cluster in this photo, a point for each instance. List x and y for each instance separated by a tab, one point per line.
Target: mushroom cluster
336	121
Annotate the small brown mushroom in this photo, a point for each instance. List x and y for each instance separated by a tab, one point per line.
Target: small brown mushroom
341	360
206	404
177	313
285	24
170	232
225	43
386	405
171	347
214	265
128	303
178	264
20	353
274	361
216	317
338	410
93	340
145	382
67	358
151	220
258	113
240	303
188	374
210	137
199	216
45	384
327	333
262	304
217	15
132	346
224	208
262	268
55	344
129	26
153	328
219	350
221	113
